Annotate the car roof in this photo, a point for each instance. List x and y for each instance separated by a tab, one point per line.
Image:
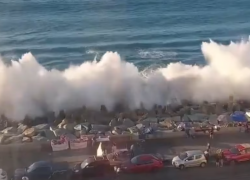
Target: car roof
41	163
243	146
194	152
95	159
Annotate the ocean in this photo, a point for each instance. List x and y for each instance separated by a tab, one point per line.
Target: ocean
63	54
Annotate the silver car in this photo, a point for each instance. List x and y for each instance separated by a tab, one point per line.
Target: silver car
192	158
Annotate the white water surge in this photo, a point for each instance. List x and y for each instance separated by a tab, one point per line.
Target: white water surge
28	88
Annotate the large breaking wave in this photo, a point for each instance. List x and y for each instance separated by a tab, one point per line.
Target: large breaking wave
28	88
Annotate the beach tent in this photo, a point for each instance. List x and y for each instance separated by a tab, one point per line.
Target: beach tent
239	116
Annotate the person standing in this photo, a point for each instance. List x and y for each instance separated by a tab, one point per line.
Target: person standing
94	140
247	127
208	147
221	159
114	148
240	126
212	133
132	151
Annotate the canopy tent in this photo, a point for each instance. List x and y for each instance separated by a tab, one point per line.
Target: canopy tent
239	116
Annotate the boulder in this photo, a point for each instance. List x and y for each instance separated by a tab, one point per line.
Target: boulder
64	121
41	127
69	127
125	132
133	130
27	139
21	128
48	134
121	127
128	123
166	123
3	137
81	126
30	132
117	130
113	123
59	132
50	116
100	127
9	130
39	139
14	139
147	121
80	132
4	122
70	136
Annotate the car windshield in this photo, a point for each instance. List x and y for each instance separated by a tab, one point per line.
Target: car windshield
134	160
234	150
182	156
84	164
30	168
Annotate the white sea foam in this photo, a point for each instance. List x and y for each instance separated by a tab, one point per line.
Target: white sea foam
28	88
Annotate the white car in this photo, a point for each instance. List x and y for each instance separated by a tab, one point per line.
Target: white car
192	158
3	175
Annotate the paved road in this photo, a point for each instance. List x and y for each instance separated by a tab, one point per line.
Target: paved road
222	140
241	172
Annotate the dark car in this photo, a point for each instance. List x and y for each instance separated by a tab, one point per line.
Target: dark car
141	163
93	167
44	170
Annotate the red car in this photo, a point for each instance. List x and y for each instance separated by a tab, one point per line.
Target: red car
141	163
238	153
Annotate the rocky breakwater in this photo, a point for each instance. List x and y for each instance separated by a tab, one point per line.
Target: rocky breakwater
28	140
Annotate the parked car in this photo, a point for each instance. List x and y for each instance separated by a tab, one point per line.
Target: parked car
93	167
192	158
3	175
140	163
119	156
44	170
236	154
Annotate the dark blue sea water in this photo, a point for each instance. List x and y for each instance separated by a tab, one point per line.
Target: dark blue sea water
63	32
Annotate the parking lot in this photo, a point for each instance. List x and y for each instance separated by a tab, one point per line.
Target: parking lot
210	172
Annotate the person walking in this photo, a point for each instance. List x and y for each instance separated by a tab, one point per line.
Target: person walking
192	133
187	131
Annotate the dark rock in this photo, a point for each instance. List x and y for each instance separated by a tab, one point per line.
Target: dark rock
4	122
103	108
114	122
51	118
119	108
27	121
128	123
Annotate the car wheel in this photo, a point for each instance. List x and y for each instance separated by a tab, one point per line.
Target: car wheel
181	167
202	165
232	163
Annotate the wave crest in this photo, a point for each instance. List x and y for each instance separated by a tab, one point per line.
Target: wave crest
28	88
